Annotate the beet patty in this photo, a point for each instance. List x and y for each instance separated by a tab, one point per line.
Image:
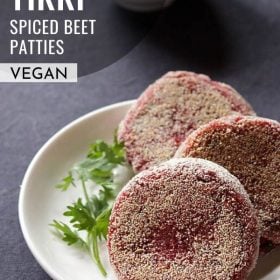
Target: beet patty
183	219
169	110
249	147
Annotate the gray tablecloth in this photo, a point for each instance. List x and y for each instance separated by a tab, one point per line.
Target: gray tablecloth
236	41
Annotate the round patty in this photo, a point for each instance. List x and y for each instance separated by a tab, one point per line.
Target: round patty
183	219
249	147
169	110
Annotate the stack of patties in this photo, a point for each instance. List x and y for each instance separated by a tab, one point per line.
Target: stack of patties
192	218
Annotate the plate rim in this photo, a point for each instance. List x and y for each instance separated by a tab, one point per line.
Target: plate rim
23	187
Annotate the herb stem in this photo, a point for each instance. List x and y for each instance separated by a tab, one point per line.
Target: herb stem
94	252
85	192
90	214
87	197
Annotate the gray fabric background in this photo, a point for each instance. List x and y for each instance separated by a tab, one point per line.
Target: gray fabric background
236	41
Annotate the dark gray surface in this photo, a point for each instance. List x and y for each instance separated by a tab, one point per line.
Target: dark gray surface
237	42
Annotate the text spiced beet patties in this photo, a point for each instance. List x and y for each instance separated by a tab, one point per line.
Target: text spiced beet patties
183	219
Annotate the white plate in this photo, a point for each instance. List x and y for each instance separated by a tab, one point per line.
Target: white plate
40	202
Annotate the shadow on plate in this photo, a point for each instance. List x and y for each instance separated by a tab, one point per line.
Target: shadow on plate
266	265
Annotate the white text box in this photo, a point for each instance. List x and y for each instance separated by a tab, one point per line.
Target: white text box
38	72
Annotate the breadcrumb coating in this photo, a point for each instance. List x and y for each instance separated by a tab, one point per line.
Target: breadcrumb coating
170	109
186	219
249	147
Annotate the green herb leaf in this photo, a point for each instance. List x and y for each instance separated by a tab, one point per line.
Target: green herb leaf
68	235
81	216
102	223
91	214
66	182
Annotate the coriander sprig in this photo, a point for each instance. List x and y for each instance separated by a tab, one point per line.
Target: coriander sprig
91	214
